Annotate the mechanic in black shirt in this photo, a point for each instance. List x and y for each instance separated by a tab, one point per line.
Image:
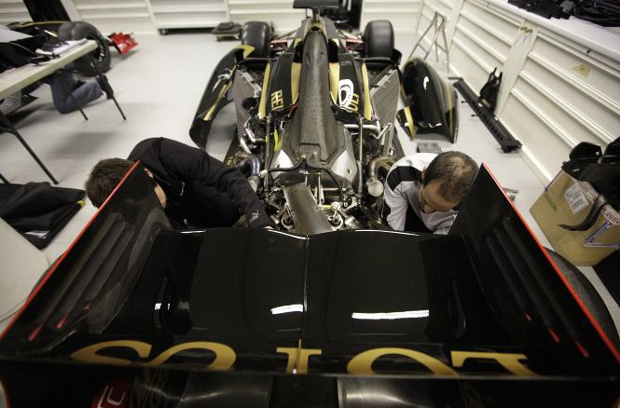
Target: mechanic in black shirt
195	189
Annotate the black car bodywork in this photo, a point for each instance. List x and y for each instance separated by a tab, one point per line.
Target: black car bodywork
261	317
353	315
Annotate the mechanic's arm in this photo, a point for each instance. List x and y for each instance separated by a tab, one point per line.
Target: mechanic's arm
233	183
397	202
190	163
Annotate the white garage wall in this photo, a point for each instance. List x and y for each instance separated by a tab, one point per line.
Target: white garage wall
561	78
115	15
566	97
402	13
107	15
147	16
446	8
188	13
13	11
278	12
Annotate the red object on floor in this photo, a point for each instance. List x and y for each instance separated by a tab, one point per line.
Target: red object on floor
122	42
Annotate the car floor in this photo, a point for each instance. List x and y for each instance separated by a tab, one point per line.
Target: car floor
158	85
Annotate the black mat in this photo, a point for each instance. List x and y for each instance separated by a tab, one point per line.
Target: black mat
37	210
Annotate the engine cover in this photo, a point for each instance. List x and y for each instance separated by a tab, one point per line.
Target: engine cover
314	134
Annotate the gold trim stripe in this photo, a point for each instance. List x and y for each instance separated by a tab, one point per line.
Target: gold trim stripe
295	75
410	122
262	107
334	78
247	49
320	25
450	102
278	142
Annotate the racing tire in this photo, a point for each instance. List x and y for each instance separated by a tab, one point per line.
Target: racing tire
76	30
257	34
588	294
379	39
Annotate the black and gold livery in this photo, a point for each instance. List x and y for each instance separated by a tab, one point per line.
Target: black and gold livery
328	309
138	314
318	107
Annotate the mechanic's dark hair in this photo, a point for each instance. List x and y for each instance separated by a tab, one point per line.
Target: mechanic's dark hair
455	171
104	177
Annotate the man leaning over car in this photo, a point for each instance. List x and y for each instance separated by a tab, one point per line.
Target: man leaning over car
423	191
195	189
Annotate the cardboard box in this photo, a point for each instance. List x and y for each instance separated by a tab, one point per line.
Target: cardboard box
568	201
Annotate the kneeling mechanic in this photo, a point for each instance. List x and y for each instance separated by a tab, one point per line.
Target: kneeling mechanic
195	189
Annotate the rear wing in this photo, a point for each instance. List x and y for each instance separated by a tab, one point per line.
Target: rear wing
99	267
524	286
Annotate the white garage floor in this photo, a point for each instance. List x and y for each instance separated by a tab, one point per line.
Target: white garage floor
158	85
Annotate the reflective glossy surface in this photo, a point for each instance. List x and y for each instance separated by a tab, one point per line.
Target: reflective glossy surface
262	303
433	101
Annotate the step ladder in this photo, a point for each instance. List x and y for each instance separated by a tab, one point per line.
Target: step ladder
438	24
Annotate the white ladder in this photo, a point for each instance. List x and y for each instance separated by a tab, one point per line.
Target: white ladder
438	23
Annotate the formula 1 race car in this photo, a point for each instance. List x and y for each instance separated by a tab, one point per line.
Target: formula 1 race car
137	314
316	112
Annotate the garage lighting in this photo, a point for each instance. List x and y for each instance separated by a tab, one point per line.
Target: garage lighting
287	309
409	314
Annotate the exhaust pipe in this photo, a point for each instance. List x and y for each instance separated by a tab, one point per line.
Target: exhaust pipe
242	160
308	218
373	185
